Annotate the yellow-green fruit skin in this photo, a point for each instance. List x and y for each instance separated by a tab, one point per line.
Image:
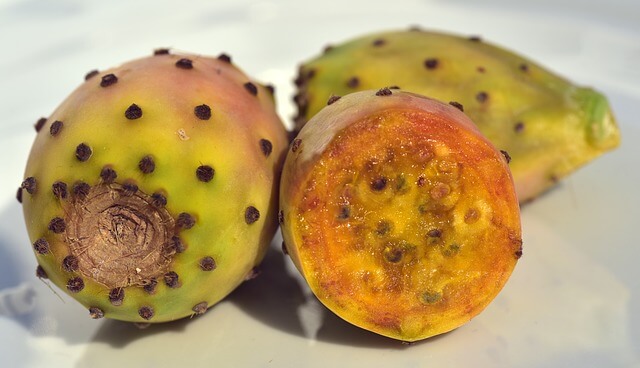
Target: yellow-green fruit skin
549	125
194	147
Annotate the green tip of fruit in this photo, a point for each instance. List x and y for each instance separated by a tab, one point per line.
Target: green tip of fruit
602	130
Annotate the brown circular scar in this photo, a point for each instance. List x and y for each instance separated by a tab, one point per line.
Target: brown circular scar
118	238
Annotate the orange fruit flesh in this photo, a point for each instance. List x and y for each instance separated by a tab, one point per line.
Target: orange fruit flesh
407	224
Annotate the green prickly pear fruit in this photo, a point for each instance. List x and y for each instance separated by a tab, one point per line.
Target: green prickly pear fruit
550	126
150	193
401	216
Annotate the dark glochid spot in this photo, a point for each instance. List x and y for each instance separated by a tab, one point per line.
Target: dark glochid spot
59	189
434	233
108	80
40	123
41	246
379	42
431	63
19	195
295	145
524	67
108	175
384	92
75	285
200	308
129	188
147	165
171	279
251	88
30	185
310	74
518	254
506	155
96	313
353	82
70	263
185	221
176	245
184	63
91	74
281	217
150	286
55	128
161	51
158	200
205	173
266	147
116	296
518	127
251	215
457	105
332	99
202	112
146	312
271	88
482	96
133	112
80	190
475	39
224	57
83	152
41	273
57	225
207	264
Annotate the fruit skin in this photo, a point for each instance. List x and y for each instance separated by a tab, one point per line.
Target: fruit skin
400	215
169	165
550	126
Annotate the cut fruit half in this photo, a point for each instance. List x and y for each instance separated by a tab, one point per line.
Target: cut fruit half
400	215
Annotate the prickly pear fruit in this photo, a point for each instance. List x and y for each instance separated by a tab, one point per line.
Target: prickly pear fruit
150	193
400	215
550	126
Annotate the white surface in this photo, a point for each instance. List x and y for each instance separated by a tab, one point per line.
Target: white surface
573	300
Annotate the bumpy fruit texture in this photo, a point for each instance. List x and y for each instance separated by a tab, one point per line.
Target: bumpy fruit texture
151	192
400	215
550	126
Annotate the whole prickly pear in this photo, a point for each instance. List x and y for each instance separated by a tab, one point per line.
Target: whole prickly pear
550	126
151	192
401	216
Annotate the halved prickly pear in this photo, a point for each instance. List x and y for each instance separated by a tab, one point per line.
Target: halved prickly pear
399	214
151	192
550	126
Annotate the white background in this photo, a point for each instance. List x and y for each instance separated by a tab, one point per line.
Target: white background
573	300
